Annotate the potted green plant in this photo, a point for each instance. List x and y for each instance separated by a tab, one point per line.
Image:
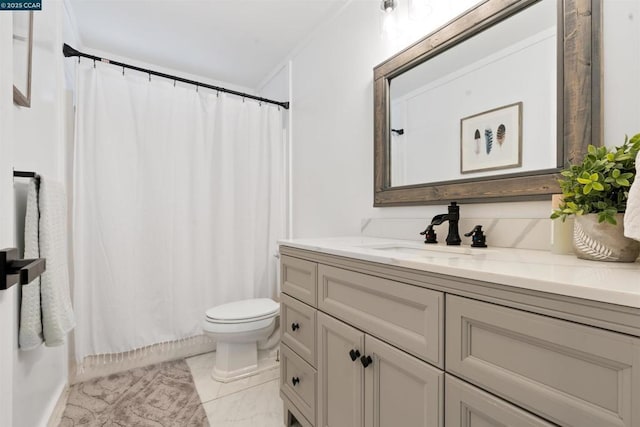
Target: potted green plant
596	192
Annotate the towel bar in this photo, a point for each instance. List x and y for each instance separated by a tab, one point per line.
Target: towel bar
14	270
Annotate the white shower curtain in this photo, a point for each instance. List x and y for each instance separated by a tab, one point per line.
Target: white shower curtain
178	203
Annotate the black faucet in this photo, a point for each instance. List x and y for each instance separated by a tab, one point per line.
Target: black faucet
453	216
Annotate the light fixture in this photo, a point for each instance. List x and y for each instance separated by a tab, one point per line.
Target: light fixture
388	5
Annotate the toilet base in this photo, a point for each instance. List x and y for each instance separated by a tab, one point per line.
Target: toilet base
235	361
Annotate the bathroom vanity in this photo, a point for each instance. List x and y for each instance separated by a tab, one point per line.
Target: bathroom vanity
379	332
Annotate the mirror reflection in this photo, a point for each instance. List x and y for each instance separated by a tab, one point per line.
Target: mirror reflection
488	106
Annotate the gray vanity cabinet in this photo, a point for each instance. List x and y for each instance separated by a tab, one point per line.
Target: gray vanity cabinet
448	352
394	389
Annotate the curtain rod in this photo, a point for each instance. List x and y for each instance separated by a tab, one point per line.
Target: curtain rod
68	51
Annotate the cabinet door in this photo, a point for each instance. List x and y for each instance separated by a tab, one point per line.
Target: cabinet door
572	375
468	406
341	382
401	390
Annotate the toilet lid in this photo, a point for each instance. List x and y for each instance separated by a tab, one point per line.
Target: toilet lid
249	309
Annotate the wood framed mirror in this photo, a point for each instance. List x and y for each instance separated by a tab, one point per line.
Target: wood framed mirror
443	130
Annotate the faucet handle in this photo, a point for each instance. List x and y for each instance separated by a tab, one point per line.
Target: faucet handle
429	234
478	239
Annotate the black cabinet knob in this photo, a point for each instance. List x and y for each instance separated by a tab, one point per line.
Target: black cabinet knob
354	354
295	326
366	360
295	380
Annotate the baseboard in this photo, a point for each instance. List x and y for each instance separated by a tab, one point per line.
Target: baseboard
56	415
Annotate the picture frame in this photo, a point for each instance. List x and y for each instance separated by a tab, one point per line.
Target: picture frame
22	57
491	140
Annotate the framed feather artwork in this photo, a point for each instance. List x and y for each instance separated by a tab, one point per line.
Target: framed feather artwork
491	140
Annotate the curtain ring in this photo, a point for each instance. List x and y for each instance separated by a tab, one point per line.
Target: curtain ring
243	99
174	82
197	87
217	94
123	70
94	63
149	76
260	103
79	59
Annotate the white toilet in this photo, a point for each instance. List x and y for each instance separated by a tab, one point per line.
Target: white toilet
237	327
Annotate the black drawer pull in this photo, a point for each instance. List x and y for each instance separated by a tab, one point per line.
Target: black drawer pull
366	360
295	380
354	354
295	326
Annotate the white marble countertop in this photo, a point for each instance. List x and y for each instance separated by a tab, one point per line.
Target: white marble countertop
616	283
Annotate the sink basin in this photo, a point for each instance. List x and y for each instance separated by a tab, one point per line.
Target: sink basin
433	251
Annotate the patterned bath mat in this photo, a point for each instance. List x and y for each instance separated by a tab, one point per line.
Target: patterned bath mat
161	395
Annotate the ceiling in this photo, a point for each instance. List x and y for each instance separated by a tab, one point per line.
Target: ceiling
233	41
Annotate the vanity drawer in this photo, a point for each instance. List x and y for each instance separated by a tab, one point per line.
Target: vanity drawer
298	278
298	382
299	327
407	316
468	406
570	374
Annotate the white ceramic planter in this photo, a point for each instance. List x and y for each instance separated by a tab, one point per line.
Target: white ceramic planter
603	241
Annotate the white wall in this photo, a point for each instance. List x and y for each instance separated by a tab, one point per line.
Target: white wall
38	376
278	88
7	298
621	45
332	97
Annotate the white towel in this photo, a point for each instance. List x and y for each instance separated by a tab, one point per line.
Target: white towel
57	314
30	335
632	214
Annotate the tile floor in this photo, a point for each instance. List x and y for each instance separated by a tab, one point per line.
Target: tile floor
248	402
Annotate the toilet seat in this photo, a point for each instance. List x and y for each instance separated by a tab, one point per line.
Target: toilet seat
241	316
236	328
244	311
252	319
